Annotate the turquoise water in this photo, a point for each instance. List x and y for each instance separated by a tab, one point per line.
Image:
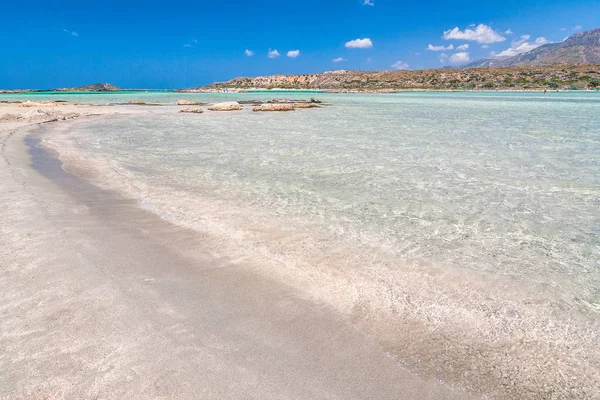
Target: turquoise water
476	215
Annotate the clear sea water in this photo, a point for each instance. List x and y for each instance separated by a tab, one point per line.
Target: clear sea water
474	215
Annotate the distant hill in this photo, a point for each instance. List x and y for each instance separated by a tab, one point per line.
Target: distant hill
96	87
580	48
554	77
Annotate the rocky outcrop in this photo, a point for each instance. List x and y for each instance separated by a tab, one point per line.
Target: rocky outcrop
192	110
226	106
274	107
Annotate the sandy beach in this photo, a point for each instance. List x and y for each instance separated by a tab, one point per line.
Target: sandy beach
101	299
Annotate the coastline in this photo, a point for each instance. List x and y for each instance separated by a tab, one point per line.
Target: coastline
378	326
102	298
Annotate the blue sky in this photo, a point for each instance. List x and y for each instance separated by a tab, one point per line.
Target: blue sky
158	44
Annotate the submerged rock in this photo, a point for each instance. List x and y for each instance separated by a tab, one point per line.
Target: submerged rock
190	103
313	100
226	106
252	102
305	105
192	110
274	107
137	102
284	101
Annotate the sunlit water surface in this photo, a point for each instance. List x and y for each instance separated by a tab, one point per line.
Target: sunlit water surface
502	186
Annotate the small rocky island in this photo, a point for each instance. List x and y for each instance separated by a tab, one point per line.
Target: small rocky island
96	87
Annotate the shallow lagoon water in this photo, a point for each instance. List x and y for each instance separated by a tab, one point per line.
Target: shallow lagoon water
380	201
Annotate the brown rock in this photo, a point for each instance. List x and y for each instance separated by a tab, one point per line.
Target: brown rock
305	105
137	102
274	107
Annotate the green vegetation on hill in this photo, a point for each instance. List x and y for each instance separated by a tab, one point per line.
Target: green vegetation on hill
512	78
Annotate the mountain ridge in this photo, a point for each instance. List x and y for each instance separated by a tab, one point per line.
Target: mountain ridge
579	48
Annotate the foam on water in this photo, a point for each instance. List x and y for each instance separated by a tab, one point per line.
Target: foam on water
467	225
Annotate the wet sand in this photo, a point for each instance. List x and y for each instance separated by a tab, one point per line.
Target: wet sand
101	299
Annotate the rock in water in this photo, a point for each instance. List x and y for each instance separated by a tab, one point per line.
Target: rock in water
313	100
283	101
305	105
190	103
137	102
226	106
192	110
274	107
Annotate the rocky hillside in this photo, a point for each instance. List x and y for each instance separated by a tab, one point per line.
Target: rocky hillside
580	48
553	77
96	87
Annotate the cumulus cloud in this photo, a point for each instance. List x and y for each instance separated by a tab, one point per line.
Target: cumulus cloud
462	47
480	34
359	44
368	3
460	58
339	59
431	47
400	65
249	53
508	32
293	53
522	46
443	58
72	33
273	53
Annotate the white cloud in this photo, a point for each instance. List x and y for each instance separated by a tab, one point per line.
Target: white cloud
481	34
577	27
400	65
273	53
368	3
431	47
522	46
368	60
462	47
508	32
194	41
563	29
249	53
460	58
71	33
359	44
485	46
293	53
443	58
523	39
339	59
